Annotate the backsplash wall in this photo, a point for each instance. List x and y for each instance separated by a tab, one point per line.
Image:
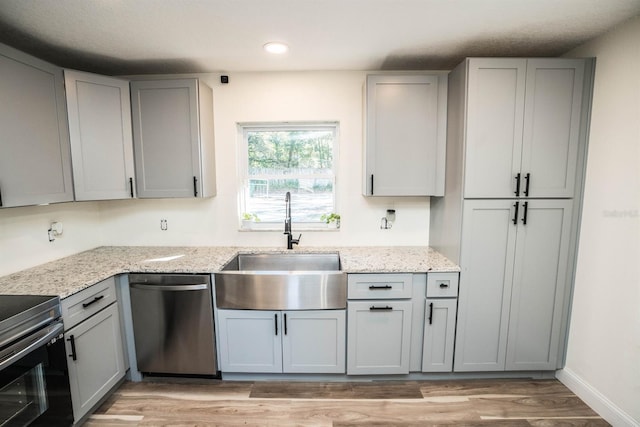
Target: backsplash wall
24	240
273	97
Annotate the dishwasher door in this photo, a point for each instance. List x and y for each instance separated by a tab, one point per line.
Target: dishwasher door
173	323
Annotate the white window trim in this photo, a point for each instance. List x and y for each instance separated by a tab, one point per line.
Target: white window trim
243	171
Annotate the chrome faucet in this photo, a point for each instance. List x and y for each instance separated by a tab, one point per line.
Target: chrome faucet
287	222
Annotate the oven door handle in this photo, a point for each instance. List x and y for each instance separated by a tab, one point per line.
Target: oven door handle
31	343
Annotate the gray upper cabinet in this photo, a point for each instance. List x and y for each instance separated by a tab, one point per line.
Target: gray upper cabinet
405	135
494	120
514	279
100	130
552	114
35	162
173	138
522	127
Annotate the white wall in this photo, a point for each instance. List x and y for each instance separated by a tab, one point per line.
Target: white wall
603	360
265	97
24	239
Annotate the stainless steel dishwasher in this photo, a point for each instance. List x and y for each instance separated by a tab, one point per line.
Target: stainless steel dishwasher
173	323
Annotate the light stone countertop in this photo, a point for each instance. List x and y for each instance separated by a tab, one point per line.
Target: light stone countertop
67	276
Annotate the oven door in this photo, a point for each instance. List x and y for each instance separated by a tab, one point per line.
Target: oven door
34	381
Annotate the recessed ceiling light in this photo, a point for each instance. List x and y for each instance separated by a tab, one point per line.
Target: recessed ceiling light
276	47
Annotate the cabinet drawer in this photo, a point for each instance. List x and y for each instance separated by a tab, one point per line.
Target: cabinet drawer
84	304
379	286
442	285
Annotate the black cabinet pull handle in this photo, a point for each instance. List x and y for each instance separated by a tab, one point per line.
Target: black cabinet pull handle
131	187
285	323
517	192
379	288
195	186
515	215
444	285
93	301
73	354
276	323
430	313
527	178
372	184
0	198
525	205
385	308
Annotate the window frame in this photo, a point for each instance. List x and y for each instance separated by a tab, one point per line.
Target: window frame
243	171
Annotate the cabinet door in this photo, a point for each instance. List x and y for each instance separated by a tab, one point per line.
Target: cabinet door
100	130
166	137
552	126
250	341
99	359
539	282
379	334
314	341
439	333
405	148
35	163
486	260
495	105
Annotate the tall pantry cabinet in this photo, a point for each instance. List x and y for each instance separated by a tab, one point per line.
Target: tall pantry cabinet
515	148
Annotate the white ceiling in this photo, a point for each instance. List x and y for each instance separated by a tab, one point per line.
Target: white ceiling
163	36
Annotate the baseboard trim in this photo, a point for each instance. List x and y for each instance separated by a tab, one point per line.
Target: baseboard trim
608	410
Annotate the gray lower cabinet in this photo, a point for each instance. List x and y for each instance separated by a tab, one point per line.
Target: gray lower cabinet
93	340
35	163
514	270
441	306
173	138
257	341
379	337
99	110
439	333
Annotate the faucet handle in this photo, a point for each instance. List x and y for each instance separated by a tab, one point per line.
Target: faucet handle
296	241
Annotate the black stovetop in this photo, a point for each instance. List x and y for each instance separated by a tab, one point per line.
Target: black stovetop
11	305
23	313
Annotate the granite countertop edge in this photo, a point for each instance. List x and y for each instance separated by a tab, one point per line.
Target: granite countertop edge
74	273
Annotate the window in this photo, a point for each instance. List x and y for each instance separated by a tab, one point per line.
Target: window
280	158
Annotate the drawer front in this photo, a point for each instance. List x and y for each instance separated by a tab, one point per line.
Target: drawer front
442	285
379	286
82	305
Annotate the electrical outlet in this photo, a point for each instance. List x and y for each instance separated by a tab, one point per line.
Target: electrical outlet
163	224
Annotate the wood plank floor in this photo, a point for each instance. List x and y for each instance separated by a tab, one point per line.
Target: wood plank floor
180	402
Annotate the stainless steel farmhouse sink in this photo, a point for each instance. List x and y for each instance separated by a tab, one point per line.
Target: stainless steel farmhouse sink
277	281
